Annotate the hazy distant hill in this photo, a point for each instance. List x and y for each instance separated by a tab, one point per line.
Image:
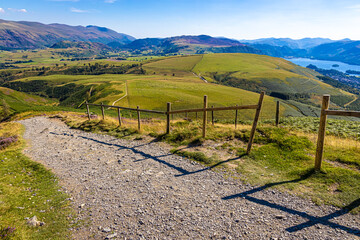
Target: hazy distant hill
304	43
30	35
344	51
189	44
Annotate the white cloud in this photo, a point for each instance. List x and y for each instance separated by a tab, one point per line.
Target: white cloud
23	10
110	1
2	10
76	10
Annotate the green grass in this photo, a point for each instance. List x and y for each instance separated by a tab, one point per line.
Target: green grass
176	65
154	91
28	189
272	74
335	127
286	161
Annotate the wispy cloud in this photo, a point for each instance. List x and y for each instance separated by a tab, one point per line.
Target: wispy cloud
76	10
110	1
23	10
355	7
2	10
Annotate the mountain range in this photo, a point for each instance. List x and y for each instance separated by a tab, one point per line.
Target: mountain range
32	35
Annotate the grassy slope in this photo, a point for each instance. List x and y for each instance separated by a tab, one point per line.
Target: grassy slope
154	91
20	102
28	189
275	74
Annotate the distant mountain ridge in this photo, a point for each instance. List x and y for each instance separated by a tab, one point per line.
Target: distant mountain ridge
188	44
31	35
304	43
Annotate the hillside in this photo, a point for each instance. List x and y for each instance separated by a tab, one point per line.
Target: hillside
12	101
276	76
304	43
82	45
344	51
187	45
147	91
31	35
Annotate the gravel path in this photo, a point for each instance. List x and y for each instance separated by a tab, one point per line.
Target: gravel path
138	190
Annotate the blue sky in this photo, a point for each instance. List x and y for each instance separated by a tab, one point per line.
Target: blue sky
242	19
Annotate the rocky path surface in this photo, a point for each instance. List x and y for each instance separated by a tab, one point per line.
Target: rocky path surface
138	190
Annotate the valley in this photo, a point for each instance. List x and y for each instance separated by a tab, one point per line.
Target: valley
157	175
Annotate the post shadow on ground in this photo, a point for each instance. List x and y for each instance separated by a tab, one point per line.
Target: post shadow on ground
148	156
312	220
212	166
133	149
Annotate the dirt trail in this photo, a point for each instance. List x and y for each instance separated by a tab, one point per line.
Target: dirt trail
347	104
138	190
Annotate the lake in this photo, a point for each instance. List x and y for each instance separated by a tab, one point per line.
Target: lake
323	64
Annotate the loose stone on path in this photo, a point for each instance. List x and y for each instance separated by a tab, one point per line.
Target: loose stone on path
139	190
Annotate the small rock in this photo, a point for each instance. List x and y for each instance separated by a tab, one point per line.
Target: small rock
82	205
280	216
107	229
111	236
33	222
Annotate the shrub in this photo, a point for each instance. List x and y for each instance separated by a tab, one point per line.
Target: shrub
7	141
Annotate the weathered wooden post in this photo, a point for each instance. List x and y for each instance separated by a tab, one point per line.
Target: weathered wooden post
256	119
119	116
168	109
321	133
277	119
88	110
102	111
205	116
196	116
236	117
212	116
138	116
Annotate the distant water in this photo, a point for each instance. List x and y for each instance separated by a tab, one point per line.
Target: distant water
304	62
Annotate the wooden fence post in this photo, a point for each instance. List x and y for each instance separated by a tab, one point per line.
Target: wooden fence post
119	117
138	115
168	109
102	111
277	119
212	116
88	111
195	116
321	133
256	119
236	117
205	116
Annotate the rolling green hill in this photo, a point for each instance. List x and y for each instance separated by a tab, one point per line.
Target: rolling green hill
252	72
149	92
